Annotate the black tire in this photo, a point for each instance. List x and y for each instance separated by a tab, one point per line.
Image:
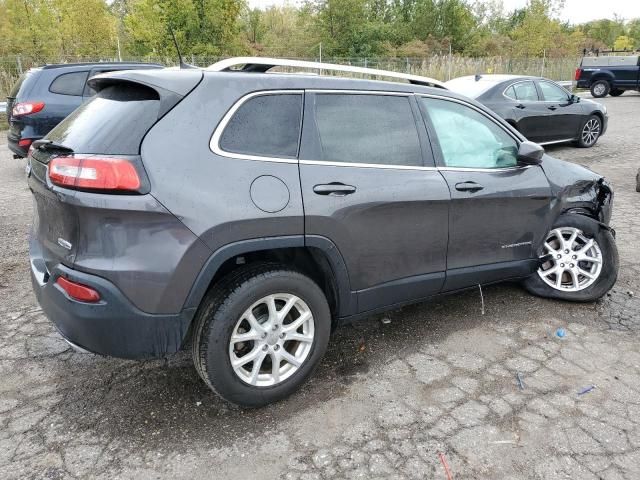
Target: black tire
615	92
608	275
638	181
600	88
584	141
223	307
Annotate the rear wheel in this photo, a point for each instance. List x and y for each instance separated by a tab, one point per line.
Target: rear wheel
580	261
261	335
615	92
590	132
600	88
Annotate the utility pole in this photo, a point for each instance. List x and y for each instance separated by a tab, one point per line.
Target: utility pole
320	52
118	43
544	58
450	53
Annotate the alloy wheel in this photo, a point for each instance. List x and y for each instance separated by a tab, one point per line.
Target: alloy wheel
591	131
599	89
271	340
573	262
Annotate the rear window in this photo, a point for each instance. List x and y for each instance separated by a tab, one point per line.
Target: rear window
69	83
113	122
469	86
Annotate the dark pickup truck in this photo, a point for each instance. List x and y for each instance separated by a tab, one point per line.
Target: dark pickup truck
609	75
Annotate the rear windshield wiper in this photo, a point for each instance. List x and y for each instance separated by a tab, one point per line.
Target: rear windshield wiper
51	145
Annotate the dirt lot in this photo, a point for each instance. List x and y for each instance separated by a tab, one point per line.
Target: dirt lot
441	377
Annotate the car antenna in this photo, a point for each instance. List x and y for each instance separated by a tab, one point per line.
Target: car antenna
478	77
182	64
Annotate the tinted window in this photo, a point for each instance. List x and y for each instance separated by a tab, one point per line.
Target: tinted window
511	93
266	126
469	139
112	122
69	83
377	129
553	93
526	91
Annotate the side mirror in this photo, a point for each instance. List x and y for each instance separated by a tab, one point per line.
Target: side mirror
574	99
530	153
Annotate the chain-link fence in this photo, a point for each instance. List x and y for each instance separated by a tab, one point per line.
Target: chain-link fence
441	67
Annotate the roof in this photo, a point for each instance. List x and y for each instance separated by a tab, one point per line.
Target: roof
494	78
264	64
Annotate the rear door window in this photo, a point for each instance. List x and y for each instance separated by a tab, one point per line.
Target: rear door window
69	83
363	128
112	122
265	126
526	91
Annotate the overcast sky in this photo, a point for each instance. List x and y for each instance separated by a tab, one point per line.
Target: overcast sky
575	11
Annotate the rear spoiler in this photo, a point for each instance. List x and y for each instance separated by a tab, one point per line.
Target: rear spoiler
170	85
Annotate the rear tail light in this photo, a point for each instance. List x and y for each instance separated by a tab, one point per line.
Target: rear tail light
78	291
94	173
25	143
26	108
578	73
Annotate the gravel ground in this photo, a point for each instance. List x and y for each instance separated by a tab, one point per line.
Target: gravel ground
389	398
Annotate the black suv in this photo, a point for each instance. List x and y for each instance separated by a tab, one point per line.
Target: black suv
244	214
44	96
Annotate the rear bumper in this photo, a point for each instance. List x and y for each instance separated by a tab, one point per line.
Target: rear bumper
113	326
15	148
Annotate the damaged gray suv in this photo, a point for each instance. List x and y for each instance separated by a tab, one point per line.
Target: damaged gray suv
243	213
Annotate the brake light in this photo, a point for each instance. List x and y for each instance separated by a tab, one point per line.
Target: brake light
578	73
26	108
94	173
25	143
78	291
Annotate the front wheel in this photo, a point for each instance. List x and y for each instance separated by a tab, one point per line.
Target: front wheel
260	334
590	132
580	261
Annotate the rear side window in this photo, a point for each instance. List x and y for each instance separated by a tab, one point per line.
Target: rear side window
361	128
525	91
112	122
265	126
69	83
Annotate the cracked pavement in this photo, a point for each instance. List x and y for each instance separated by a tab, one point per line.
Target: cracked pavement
387	399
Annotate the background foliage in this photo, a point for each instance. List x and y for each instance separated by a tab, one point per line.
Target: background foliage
340	28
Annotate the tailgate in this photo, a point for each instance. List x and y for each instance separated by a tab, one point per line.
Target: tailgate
55	226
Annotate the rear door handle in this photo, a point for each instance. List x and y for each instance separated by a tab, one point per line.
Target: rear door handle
468	187
552	107
334	189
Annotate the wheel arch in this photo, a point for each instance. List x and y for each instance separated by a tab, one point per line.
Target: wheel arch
604	75
316	256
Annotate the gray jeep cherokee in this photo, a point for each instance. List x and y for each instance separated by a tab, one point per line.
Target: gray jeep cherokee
243	214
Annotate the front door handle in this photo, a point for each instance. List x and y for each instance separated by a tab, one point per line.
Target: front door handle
468	187
520	106
552	108
335	189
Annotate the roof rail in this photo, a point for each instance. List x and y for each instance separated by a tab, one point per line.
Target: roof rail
263	64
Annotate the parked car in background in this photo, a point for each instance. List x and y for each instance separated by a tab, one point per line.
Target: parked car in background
539	108
246	224
609	75
44	96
